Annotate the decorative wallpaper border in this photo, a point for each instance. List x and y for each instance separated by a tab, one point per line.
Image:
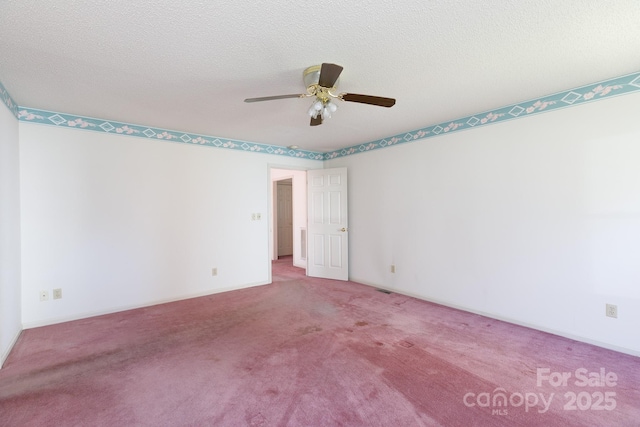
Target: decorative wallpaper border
109	126
588	93
8	100
593	92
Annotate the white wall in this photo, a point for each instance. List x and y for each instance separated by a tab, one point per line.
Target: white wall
299	192
10	322
120	222
536	220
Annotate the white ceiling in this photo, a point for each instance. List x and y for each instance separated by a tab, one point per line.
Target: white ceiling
188	65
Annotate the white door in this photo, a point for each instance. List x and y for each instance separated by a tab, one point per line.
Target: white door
327	227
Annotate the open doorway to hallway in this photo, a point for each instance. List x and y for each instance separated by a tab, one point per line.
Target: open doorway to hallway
287	239
284	219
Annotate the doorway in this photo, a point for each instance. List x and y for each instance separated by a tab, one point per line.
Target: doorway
284	218
324	241
288	218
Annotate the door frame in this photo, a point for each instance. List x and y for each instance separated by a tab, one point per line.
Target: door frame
271	192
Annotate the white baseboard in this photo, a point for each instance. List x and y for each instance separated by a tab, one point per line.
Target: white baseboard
586	340
5	354
85	315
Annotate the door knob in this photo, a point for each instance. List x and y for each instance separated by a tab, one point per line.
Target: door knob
343	229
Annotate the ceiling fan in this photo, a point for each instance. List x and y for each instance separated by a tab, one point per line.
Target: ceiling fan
321	82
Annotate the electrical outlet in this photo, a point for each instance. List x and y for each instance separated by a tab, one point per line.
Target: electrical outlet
393	268
44	295
612	311
214	271
57	293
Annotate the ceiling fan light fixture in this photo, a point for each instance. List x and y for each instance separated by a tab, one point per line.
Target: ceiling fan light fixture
329	109
312	111
321	82
325	108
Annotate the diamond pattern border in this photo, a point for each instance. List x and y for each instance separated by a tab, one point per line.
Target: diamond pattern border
612	87
57	119
516	111
571	97
9	101
107	127
473	121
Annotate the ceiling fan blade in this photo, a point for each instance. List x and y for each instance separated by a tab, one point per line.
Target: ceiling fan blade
368	99
317	121
271	98
329	74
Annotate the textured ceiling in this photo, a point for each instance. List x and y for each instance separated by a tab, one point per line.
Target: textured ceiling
187	65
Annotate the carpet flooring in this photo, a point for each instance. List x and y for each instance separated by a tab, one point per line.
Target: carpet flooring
311	352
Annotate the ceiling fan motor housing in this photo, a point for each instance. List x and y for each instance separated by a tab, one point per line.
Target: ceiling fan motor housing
311	76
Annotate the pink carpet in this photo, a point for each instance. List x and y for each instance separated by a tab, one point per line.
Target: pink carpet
311	352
